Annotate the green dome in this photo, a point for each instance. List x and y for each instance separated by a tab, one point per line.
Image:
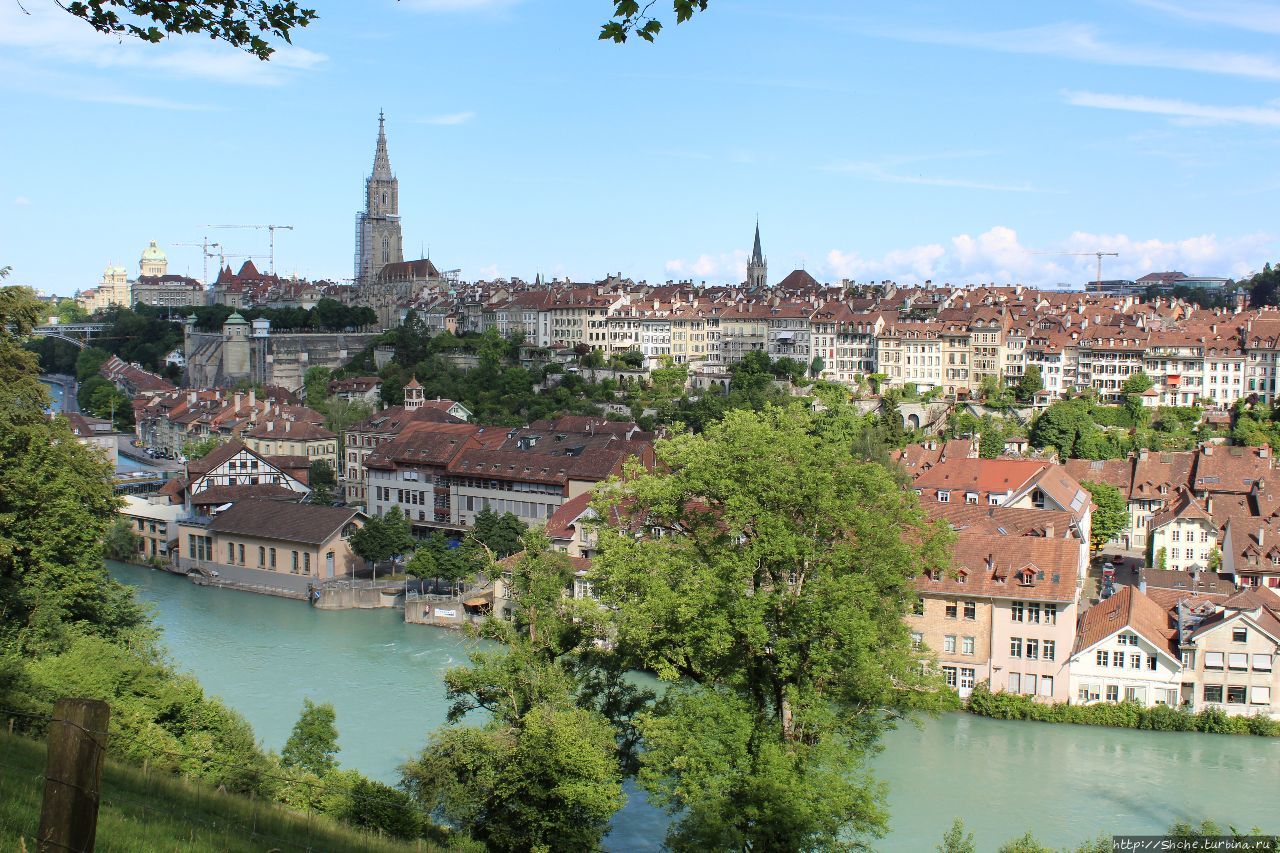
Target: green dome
236	320
153	253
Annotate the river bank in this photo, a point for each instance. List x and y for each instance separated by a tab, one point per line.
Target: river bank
263	655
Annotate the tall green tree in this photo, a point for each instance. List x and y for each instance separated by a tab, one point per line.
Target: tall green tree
543	772
767	583
956	840
121	542
499	533
322	482
1110	514
1030	383
313	743
383	537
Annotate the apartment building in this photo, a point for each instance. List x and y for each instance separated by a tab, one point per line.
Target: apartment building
1184	535
1126	650
1231	654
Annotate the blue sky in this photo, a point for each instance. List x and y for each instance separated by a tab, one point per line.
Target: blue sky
913	140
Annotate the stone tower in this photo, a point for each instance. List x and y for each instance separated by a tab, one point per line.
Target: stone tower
757	267
378	239
235	347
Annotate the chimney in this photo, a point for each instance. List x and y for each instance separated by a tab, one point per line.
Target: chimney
1262	529
1048	531
253	397
1143	454
238	396
271	425
1264	452
191	398
1208	504
1142	586
1207	450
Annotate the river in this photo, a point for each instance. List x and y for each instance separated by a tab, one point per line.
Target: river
263	655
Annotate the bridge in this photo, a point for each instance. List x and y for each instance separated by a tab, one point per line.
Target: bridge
68	331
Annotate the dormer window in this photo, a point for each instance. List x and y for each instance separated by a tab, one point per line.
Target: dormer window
944	496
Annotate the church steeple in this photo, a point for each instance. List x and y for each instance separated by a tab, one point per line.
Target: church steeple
381	160
757	267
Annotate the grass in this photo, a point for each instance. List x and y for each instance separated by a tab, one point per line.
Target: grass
152	813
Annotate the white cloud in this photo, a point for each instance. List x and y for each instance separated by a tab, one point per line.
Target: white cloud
22	201
721	267
998	255
884	173
48	36
1080	42
448	119
1255	17
488	272
1265	116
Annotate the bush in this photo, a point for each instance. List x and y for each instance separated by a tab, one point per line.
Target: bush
1125	715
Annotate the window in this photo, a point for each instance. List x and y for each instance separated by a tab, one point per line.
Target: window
231	552
1049	649
1260	695
1135	694
1046	685
1029	684
1175	536
1189	659
1102	657
1135	661
1015	682
1239	635
917	606
1174	553
262	557
944	496
1015	647
306	563
1033	649
949	643
966	645
952	610
971	610
1015	611
1117	660
242	553
1235	695
1213	660
1113	693
1033	613
1238	661
949	676
967	678
1151	662
1213	693
1262	663
294	570
1050	614
917	640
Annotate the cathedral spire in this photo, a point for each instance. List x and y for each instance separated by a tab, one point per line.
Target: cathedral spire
757	267
757	257
381	160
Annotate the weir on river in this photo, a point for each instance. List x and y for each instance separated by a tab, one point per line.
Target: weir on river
263	655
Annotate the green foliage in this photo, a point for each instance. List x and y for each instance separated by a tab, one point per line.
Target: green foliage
991	445
544	772
1127	715
436	557
202	448
1062	425
956	840
383	537
315	384
1029	384
1162	559
313	743
322	482
1264	287
797	561
239	23
89	361
1110	514
100	398
630	18
384	809
499	533
121	542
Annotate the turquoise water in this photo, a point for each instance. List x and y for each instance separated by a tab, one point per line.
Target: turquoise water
263	655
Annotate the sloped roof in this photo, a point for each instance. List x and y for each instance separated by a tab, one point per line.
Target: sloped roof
1128	608
291	522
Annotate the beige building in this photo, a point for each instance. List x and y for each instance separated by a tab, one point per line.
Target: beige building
279	546
1183	535
156	525
282	437
1230	657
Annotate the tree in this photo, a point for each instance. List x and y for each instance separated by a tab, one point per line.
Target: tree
1061	426
630	18
383	537
313	743
315	384
1030	383
543	772
1264	287
499	533
121	542
373	805
798	561
991	444
322	482
1110	515
956	840
240	23
202	447
817	366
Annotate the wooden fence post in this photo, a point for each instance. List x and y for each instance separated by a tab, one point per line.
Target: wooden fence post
73	771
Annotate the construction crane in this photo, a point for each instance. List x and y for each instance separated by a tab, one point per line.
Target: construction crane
204	247
271	229
1098	255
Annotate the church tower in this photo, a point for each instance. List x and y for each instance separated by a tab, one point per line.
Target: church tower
757	267
378	239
